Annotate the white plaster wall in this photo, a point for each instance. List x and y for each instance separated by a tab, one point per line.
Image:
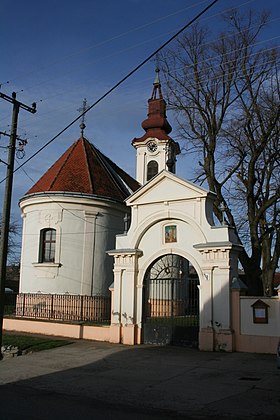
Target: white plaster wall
168	196
152	244
85	227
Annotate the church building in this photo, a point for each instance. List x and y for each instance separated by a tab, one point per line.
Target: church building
90	229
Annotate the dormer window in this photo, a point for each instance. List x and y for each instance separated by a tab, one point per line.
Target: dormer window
47	245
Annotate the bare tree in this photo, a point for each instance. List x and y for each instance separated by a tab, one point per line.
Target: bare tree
226	97
13	246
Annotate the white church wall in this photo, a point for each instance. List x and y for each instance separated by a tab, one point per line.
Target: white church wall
84	227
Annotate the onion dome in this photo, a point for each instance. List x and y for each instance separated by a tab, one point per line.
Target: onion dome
156	125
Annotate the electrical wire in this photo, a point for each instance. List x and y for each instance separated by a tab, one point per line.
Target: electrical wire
106	41
211	78
118	84
132	47
75	87
215	77
208	43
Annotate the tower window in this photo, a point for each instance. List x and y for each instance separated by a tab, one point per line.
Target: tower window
47	245
152	169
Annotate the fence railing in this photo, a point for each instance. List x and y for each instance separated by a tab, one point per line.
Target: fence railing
93	309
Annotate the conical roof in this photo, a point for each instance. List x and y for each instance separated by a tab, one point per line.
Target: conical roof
84	169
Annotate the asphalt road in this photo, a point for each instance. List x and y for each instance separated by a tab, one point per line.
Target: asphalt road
24	403
89	380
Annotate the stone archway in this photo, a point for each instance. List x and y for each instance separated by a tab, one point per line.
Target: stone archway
170	312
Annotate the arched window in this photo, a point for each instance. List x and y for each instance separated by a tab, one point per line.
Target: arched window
152	169
47	245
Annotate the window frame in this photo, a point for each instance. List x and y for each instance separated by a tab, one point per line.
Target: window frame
149	169
47	256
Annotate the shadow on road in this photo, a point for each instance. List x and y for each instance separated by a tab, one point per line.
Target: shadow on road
88	380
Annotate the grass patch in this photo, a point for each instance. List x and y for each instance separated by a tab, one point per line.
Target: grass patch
28	343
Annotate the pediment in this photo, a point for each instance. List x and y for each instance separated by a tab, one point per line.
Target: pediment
167	187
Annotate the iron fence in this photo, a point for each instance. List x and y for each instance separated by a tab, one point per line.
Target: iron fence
68	308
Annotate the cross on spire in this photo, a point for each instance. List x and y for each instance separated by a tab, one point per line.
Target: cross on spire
83	110
157	86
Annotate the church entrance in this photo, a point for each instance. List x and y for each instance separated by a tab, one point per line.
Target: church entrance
171	302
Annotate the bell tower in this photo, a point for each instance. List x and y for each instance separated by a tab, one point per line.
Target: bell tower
155	150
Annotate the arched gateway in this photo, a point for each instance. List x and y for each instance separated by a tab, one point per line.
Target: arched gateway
171	302
168	230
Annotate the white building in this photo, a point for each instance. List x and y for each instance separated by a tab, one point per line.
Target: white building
70	218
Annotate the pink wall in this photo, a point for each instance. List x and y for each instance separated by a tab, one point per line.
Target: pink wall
86	332
250	343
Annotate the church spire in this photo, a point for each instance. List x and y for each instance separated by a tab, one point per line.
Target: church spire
157	86
155	149
156	125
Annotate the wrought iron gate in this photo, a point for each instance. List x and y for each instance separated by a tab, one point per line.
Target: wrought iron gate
171	302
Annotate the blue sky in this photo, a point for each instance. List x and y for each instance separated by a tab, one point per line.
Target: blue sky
59	52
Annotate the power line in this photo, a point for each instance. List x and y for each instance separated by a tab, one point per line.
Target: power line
183	67
75	88
119	83
106	41
208	43
217	77
212	78
129	48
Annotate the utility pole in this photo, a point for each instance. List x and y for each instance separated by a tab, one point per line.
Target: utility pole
7	201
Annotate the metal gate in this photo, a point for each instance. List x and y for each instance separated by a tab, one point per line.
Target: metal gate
171	302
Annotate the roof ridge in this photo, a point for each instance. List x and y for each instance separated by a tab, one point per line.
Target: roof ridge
102	159
117	169
87	162
71	149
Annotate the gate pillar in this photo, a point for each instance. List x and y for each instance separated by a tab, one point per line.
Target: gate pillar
219	266
123	317
206	332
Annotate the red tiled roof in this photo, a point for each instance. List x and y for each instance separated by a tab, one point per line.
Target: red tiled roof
84	169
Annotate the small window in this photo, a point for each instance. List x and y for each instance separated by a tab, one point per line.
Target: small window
47	245
152	169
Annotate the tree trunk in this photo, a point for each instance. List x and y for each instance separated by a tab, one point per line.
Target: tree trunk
253	273
268	282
